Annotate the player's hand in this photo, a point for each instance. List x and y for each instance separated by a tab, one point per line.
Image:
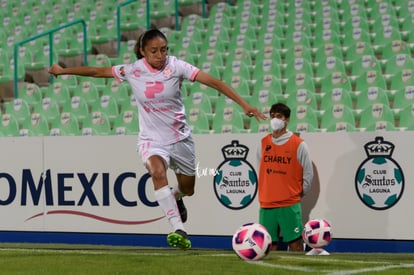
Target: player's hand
251	111
55	70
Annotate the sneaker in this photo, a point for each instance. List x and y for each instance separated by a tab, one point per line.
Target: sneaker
182	209
179	239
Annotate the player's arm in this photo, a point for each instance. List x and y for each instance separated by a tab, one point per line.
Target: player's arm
225	89
81	71
306	162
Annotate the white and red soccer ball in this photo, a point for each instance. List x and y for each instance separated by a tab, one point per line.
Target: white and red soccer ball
252	242
317	233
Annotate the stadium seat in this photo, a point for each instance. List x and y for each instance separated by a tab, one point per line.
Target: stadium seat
228	120
261	127
126	123
298	66
342	127
300	81
355	35
402	98
356	51
324	36
265	66
119	91
198	121
369	79
48	109
67	125
97	123
32	94
336	95
107	105
377	112
398	62
210	92
328	66
303	118
370	96
364	64
394	48
327	50
36	126
19	109
406	117
401	79
339	115
59	92
379	126
302	97
335	80
201	101
77	107
385	36
241	85
9	125
88	91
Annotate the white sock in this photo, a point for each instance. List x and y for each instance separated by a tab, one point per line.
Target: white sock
166	200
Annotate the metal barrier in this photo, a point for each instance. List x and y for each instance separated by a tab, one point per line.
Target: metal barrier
50	33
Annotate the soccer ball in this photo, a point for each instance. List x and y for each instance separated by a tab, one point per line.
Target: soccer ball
317	233
252	242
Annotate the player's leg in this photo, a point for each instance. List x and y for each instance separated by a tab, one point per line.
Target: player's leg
291	226
183	163
156	160
268	218
156	166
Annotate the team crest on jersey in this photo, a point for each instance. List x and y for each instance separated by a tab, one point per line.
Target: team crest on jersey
167	73
379	180
235	183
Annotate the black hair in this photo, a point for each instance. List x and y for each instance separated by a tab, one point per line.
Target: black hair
144	38
280	108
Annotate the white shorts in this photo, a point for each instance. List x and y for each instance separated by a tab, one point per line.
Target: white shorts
180	156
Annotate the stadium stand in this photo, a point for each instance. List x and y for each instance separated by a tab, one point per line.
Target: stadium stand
267	50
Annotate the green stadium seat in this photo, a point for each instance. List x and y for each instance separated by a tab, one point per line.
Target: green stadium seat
126	123
228	119
107	105
97	123
403	98
198	121
36	126
77	107
9	125
88	91
48	109
68	125
370	96
302	97
377	112
339	115
19	109
303	118
406	117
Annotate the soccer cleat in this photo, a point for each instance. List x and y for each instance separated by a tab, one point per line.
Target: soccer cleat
179	239
182	209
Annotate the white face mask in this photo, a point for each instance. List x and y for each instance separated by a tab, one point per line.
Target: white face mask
277	124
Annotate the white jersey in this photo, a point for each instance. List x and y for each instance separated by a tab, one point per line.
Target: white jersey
161	111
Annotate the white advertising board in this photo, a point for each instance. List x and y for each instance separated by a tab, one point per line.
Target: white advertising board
98	184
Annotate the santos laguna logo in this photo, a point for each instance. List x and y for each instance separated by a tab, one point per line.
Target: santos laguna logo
235	183
379	180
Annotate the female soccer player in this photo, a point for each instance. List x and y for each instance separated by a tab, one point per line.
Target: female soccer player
164	137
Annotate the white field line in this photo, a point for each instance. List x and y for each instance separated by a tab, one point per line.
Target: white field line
287	267
379	268
328	259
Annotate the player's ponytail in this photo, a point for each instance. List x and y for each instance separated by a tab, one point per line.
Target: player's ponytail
144	38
